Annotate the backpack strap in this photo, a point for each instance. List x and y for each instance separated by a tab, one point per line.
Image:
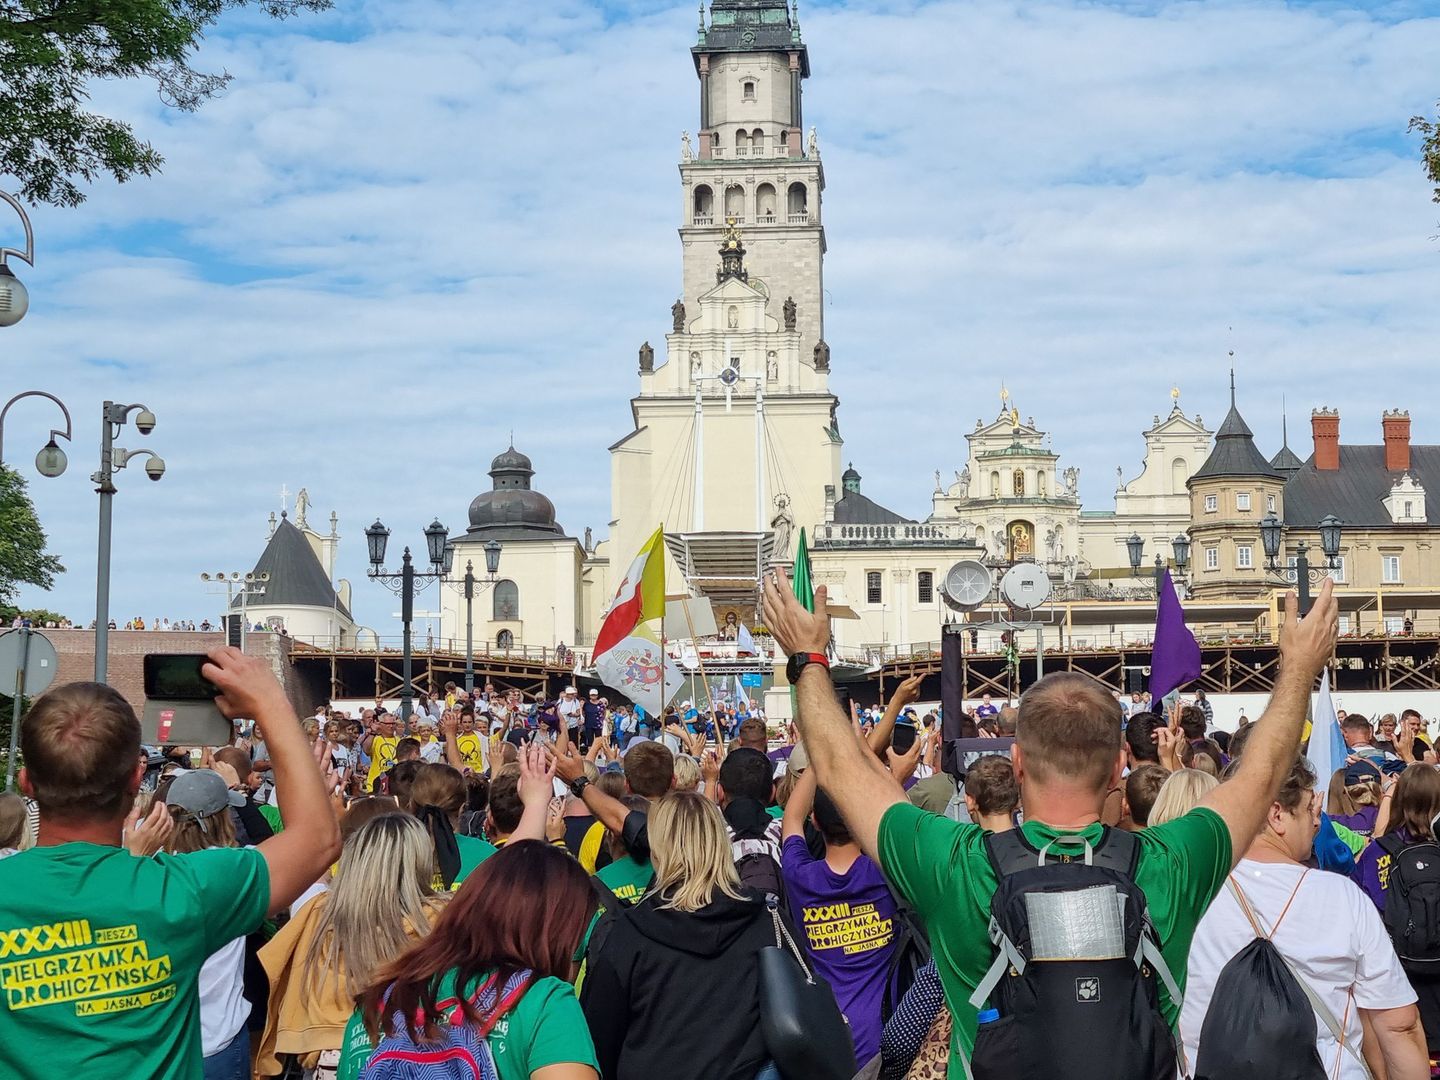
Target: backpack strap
1010	852
1390	844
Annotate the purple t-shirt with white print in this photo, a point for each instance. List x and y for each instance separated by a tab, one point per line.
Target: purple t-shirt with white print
847	924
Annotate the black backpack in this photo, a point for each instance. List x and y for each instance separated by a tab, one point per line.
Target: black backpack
1412	902
912	952
758	864
1076	967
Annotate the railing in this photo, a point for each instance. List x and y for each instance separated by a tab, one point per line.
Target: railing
912	533
703	219
429	645
799	219
766	219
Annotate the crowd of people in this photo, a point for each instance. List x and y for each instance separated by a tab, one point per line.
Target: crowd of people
566	890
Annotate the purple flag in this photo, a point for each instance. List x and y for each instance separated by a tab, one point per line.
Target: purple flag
1175	659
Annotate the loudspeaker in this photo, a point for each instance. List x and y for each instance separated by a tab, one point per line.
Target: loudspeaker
1134	680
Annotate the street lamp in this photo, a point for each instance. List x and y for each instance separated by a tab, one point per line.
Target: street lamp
113	458
467	586
1272	534
1179	547
50	461
377	536
14	297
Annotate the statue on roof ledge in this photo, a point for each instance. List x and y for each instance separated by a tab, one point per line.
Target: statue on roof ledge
677	316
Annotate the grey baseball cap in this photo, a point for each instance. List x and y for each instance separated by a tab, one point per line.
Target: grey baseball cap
201	792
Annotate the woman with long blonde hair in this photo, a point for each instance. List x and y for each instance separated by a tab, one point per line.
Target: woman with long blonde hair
697	926
380	902
1182	791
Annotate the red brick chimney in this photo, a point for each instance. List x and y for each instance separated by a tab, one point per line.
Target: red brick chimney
1325	429
1396	426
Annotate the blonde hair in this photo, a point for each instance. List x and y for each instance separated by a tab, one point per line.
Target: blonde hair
691	852
13	828
196	834
1181	793
687	773
379	896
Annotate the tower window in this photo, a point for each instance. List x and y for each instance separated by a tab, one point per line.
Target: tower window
925	591
704	202
765	203
742	142
873	594
748	90
506	601
796	204
757	143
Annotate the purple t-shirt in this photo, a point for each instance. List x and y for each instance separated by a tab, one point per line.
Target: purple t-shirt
847	922
1372	869
1362	821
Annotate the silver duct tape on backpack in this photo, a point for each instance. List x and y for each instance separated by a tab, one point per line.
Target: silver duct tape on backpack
1088	924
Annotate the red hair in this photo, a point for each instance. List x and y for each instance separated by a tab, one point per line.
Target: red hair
527	906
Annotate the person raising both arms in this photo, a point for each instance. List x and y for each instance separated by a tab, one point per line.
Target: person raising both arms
139	928
1069	755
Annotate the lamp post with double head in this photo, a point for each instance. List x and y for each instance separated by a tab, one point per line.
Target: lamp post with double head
1272	537
113	458
1179	547
377	536
467	586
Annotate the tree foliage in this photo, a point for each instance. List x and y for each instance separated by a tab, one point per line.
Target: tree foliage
23	560
1430	131
51	51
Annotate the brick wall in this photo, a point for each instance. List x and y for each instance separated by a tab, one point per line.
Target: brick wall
75	650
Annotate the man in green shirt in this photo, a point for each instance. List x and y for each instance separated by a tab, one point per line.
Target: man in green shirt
1069	755
100	950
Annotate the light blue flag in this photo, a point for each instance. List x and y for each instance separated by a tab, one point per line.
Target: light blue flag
1327	747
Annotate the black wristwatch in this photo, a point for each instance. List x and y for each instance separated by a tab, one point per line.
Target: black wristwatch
799	661
578	786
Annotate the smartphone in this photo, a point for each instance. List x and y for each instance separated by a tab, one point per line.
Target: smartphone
176	677
903	738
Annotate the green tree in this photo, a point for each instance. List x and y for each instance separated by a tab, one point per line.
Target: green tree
52	50
1430	131
22	541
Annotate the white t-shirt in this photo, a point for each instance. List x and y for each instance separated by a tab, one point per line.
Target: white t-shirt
570	711
1332	934
223	1008
309	894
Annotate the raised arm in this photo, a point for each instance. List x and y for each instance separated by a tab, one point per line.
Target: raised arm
536	788
311	841
907	693
862	788
797	809
609	812
1306	646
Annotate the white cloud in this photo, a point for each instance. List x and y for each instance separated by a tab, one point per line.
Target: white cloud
406	230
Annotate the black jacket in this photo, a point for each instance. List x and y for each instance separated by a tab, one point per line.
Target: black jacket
676	995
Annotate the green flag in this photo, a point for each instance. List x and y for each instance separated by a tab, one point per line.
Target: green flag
804	588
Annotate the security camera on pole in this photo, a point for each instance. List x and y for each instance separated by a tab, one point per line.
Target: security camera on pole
113	457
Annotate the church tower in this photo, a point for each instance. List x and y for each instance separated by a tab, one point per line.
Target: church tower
736	432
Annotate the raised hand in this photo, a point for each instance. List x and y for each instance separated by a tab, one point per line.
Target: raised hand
902	766
907	693
794	629
1307	644
568	766
555	821
145	838
536	777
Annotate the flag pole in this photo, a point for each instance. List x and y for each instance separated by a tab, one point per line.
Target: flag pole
709	690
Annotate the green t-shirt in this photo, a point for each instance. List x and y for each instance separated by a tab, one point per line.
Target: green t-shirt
100	951
272	815
473	851
940	866
546	1027
626	878
776	812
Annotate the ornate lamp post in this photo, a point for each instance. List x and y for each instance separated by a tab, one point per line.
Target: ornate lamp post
404	583
1180	549
113	457
467	586
50	461
14	297
1272	535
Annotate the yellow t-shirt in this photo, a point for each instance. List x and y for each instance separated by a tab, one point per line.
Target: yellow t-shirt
382	756
472	750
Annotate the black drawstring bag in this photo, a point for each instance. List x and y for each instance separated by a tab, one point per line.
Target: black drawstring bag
447	848
1260	1025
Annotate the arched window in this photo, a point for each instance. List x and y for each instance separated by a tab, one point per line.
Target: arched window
765	203
782	145
1178	475
506	601
797	204
873	593
1017	482
757	143
742	142
747	90
995	484
505	639
925	587
1040	483
735	203
704	203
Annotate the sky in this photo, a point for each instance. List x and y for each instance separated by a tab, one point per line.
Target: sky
406	230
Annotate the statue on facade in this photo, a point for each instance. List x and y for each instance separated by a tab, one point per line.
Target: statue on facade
822	356
677	316
697	366
939	487
686	154
302	505
998	535
782	525
1119	478
772	366
1053	543
732	318
1070	569
789	310
589	539
812	145
1072	480
647	358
